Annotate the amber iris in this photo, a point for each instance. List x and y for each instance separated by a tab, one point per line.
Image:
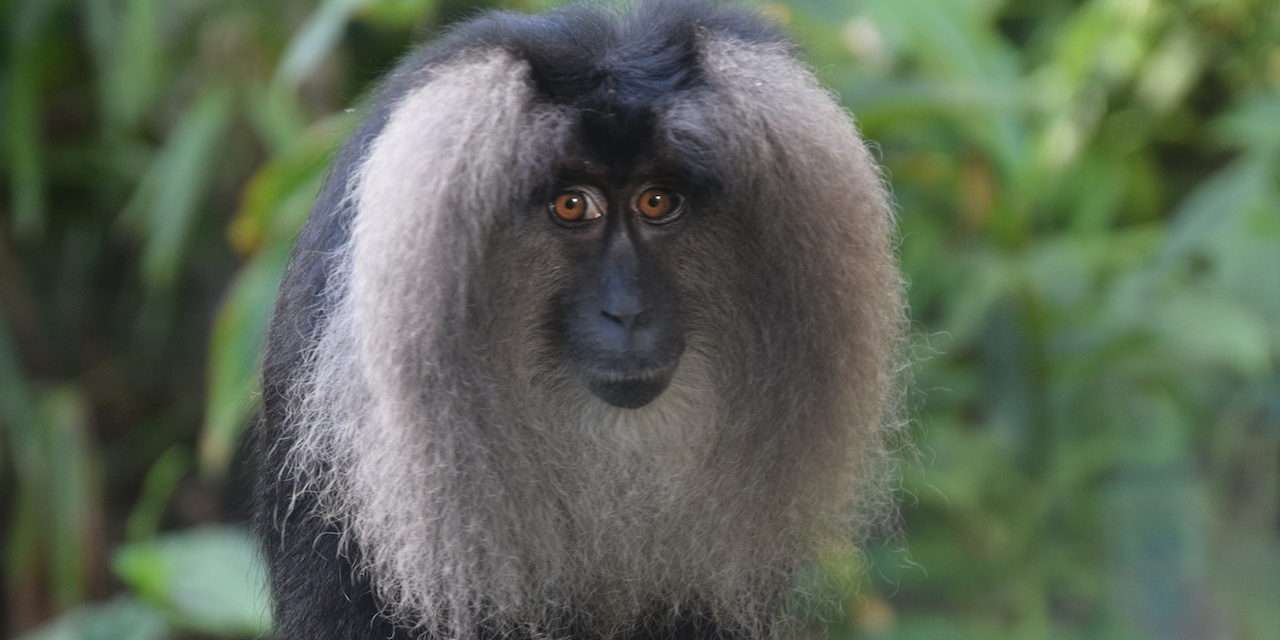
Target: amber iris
571	206
657	204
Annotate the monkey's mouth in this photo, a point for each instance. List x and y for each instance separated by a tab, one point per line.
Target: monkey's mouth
629	389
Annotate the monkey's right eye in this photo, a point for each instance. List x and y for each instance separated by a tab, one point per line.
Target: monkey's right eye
573	207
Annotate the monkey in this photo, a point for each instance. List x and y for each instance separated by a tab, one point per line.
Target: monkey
592	333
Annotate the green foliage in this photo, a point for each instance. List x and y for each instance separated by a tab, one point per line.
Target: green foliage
1089	203
205	579
121	619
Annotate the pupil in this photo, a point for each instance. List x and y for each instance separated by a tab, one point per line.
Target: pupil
655	202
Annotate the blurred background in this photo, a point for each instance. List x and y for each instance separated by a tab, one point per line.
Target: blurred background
1089	195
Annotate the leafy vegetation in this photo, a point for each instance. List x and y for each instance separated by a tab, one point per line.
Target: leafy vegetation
1089	197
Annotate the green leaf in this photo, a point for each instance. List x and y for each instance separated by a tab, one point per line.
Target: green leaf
1218	202
1157	543
317	37
1171	70
168	202
238	335
399	13
208	580
120	619
128	51
1230	227
21	431
953	627
276	114
71	501
56	506
1252	123
23	123
1247	567
946	36
280	195
16	411
157	488
1207	330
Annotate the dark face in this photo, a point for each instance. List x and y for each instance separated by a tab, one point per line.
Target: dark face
619	320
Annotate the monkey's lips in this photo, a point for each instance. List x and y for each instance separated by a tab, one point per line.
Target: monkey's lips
629	389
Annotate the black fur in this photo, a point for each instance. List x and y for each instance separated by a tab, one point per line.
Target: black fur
617	69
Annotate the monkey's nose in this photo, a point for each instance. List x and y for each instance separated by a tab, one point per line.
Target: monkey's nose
625	315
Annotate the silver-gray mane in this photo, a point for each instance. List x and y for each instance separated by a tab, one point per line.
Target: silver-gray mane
472	475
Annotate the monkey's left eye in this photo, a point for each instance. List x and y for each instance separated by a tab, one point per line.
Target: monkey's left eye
659	205
573	207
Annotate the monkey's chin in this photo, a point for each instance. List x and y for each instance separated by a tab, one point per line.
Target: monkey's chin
629	392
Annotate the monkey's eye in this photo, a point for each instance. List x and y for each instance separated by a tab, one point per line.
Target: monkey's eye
573	207
659	205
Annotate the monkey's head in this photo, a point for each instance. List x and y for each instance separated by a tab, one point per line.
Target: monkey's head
589	201
613	318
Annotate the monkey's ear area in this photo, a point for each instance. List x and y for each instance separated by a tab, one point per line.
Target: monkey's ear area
561	48
457	155
768	129
697	146
470	140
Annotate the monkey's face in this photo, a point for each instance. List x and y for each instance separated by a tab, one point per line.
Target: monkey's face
618	316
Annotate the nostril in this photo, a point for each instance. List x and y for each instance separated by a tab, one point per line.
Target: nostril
626	317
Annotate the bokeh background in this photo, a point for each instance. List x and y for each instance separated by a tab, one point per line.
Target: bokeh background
1089	195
